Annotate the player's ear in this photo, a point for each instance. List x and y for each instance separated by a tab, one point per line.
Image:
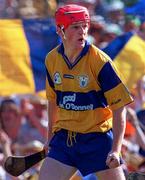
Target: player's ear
57	30
60	31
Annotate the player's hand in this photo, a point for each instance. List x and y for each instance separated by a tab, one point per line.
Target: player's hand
113	160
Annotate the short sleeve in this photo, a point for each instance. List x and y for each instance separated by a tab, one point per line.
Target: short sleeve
115	92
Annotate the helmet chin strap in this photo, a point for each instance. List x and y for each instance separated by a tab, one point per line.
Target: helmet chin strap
62	30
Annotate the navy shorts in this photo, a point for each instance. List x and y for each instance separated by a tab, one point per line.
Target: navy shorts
87	153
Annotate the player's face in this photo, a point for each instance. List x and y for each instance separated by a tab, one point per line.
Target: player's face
76	34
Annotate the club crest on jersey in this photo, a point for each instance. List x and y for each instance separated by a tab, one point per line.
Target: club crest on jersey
57	78
83	80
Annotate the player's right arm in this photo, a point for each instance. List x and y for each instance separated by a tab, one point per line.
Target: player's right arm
52	107
52	117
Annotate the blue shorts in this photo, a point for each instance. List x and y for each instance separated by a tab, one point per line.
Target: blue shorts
88	152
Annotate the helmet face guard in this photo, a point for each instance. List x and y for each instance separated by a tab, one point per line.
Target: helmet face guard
71	14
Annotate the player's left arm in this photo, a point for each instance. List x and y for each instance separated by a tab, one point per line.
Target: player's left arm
119	124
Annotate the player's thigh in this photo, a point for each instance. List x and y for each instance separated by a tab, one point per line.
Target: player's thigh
54	170
114	174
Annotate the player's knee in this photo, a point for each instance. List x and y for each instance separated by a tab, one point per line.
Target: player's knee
114	173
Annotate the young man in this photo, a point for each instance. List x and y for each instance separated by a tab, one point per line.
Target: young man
86	104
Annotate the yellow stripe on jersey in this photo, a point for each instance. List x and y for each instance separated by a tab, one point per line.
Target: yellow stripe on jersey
84	90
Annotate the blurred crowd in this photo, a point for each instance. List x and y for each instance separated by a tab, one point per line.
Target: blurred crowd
23	118
109	18
23	130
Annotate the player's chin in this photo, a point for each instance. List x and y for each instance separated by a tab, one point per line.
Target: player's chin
80	44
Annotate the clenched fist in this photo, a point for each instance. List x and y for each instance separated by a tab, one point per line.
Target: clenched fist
113	160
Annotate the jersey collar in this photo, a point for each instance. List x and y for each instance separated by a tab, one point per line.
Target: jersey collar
83	53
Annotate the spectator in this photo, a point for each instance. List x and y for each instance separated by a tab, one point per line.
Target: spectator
138	122
18	122
97	28
10	118
22	131
111	31
133	118
131	23
33	112
115	12
8	9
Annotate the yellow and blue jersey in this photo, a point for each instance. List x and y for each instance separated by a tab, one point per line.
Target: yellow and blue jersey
85	91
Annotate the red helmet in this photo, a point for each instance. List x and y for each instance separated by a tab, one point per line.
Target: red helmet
69	14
